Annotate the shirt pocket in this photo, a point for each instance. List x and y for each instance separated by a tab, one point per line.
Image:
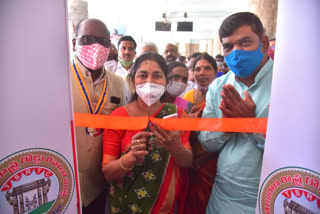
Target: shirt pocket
109	107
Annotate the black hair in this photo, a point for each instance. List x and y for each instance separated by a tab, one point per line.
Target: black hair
219	56
194	55
182	58
207	57
127	38
172	65
234	21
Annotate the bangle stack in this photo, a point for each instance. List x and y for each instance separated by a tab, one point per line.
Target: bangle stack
122	167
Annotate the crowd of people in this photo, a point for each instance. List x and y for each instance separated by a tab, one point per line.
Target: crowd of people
155	170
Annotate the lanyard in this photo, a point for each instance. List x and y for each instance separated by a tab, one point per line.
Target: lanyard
84	91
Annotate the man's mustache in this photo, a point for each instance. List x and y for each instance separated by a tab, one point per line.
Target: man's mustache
170	58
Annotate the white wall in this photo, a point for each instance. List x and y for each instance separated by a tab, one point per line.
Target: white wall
35	96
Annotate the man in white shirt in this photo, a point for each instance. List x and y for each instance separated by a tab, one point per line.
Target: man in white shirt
127	52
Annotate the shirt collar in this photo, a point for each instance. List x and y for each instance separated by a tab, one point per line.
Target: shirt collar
265	69
123	68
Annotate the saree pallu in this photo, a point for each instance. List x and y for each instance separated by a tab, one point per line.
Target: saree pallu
201	179
154	185
201	176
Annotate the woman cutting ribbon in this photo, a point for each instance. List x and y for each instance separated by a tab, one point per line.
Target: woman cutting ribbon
146	168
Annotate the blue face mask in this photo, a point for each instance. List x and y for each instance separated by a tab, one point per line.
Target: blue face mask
243	63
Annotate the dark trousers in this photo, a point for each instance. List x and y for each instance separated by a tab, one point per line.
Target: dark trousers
97	206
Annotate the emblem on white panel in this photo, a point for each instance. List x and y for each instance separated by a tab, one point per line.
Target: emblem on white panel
290	190
35	181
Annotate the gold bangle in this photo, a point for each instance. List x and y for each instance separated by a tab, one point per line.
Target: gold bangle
122	167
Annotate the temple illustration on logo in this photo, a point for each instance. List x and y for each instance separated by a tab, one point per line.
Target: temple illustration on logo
21	203
294	207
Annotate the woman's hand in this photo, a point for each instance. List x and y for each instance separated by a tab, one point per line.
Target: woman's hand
195	111
139	145
169	140
118	168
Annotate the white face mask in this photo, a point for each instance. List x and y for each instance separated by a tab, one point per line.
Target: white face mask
176	88
150	93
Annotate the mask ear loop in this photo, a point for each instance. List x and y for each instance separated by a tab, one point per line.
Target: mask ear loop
166	86
170	81
169	84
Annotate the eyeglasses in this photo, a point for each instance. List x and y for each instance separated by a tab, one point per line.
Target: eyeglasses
89	40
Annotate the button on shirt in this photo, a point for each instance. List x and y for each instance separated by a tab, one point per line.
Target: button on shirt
116	68
239	165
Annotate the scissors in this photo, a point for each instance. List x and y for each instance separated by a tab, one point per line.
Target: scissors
148	126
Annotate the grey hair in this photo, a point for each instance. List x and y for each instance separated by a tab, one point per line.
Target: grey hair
150	45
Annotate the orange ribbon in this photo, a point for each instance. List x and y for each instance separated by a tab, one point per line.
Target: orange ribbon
249	125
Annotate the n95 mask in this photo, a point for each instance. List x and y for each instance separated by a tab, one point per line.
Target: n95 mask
150	93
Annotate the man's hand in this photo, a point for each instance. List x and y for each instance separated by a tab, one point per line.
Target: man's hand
232	105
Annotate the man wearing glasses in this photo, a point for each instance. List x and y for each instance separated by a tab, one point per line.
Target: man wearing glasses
95	91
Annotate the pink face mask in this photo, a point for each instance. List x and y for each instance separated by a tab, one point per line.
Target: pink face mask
92	56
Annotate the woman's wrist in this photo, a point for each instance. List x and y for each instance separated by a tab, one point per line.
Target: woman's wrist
177	149
127	162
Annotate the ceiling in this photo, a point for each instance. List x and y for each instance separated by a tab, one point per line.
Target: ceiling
137	18
205	13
